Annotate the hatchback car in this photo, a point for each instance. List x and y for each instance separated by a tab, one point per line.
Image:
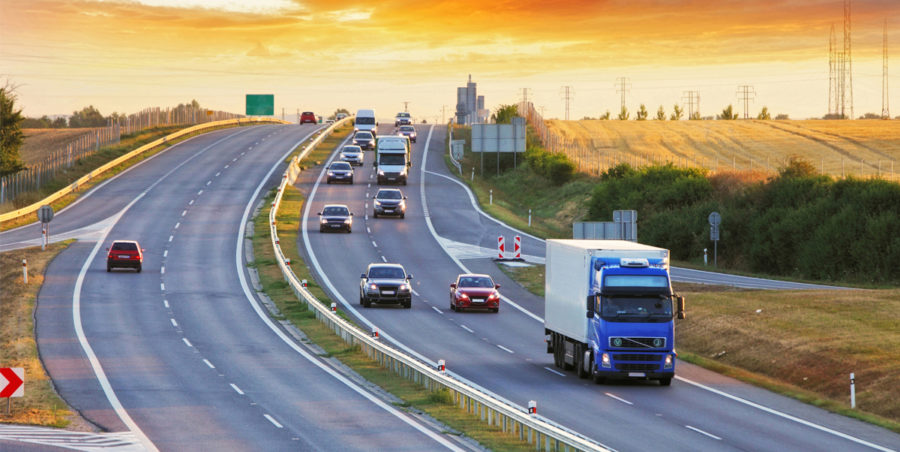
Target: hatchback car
389	201
307	117
339	172
409	132
124	254
352	155
385	283
474	291
364	140
336	217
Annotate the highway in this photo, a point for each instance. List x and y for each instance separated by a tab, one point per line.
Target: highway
181	355
443	234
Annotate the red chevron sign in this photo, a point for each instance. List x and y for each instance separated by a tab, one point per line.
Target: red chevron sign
15	379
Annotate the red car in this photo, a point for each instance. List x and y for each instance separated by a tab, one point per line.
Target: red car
307	116
124	253
471	291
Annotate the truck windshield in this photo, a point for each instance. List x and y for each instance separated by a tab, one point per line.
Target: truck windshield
636	308
365	120
392	159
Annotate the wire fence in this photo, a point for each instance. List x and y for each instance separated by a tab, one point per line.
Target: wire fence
596	157
39	174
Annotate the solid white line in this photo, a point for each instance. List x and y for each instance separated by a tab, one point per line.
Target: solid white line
618	398
466	328
165	253
108	391
785	415
174	323
504	349
166	303
704	433
177	225
187	342
438	310
236	389
384	259
206	361
555	371
162	270
264	316
171	237
273	421
162	287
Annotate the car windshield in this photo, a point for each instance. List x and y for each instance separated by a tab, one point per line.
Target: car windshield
340	166
392	159
389	194
407	129
351	149
365	120
124	246
307	113
336	211
634	308
363	136
387	272
402	115
475	281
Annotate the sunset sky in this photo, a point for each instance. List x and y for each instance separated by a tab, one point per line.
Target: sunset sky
121	55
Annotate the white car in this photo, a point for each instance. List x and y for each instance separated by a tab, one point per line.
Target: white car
402	119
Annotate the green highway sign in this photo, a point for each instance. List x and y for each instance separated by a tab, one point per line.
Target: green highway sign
260	104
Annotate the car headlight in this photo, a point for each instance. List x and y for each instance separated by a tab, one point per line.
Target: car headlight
377	203
348	221
373	287
404	287
323	220
331	173
381	172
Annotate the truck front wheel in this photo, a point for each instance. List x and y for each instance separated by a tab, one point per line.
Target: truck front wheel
665	381
595	375
579	362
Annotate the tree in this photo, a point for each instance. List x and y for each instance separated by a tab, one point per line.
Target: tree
605	116
36	123
764	114
661	114
504	114
677	113
87	117
782	116
624	115
727	113
11	136
642	113
695	116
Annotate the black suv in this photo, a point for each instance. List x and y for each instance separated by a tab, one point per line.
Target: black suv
339	171
335	217
389	201
385	283
364	139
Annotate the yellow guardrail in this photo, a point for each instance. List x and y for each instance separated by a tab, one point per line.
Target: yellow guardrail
84	179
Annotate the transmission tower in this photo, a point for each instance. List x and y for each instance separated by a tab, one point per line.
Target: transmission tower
847	65
568	95
885	108
832	76
693	102
406	106
623	86
443	114
525	93
746	94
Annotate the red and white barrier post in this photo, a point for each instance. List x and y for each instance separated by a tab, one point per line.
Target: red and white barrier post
375	333
442	366
501	246
333	307
303	283
517	251
532	407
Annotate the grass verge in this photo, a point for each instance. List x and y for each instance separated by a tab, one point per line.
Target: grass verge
40	405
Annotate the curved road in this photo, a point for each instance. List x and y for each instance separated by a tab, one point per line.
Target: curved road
443	234
181	355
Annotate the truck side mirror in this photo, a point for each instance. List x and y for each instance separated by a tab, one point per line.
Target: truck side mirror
679	301
363	276
590	306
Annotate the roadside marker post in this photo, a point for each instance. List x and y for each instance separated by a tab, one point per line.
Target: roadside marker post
532	407
852	390
501	246
517	249
25	272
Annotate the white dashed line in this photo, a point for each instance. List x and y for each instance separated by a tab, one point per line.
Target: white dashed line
236	389
504	349
162	270
466	328
183	212
177	225
273	421
555	371
171	237
368	230
162	287
208	182
187	342
191	203
438	310
166	303
209	364
226	166
618	398
384	259
217	174
199	192
242	153
369	186
414	291
704	433
374	244
174	323
166	253
234	159
366	217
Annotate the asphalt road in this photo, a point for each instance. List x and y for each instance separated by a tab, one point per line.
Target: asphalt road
505	352
178	354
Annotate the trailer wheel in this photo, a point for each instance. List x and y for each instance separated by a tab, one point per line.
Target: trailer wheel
557	353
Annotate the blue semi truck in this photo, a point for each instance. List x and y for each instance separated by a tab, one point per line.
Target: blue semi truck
609	310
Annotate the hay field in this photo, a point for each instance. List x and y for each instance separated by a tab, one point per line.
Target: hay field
864	148
40	143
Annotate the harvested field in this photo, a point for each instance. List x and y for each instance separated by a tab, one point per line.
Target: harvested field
39	143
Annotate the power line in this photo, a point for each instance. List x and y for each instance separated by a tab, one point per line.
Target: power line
568	95
746	93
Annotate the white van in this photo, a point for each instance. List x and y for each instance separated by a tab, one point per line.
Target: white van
365	120
392	159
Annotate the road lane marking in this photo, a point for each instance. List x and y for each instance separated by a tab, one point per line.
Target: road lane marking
206	361
234	159
165	253
703	433
226	166
273	421
384	259
374	244
162	287
555	371
438	310
504	349
171	237
166	303
199	192
191	203
217	174
236	389
174	323
414	291
183	212
466	328
208	182
162	270
368	230
187	342
618	398
177	225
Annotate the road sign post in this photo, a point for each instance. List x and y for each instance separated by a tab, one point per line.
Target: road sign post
45	214
714	221
15	384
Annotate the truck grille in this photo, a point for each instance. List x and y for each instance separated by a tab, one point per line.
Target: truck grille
637	342
636	357
632	367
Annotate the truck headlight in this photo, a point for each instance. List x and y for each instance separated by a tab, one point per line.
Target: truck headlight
404	288
604	360
381	172
669	362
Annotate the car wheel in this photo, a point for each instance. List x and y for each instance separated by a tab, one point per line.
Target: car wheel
495	310
361	298
321	229
366	302
139	268
374	214
349	229
665	381
579	363
407	304
351	181
403	215
404	181
452	306
108	268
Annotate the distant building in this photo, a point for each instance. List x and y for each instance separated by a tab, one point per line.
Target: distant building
469	105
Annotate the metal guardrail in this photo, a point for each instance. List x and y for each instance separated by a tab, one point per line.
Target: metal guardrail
514	419
84	179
